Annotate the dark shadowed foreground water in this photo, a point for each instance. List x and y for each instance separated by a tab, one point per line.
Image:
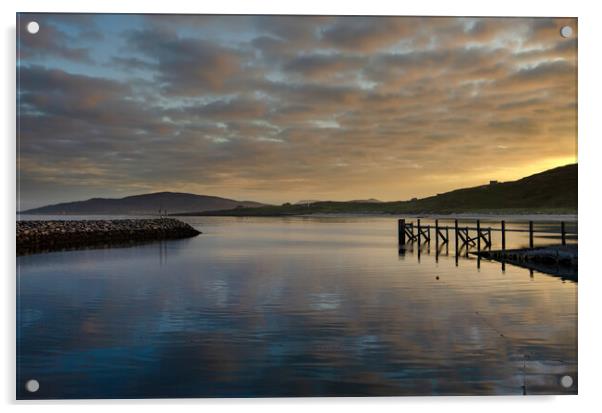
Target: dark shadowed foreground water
289	307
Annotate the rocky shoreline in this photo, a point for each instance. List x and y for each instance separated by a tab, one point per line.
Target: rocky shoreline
36	236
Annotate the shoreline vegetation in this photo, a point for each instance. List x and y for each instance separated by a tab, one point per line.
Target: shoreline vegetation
40	236
333	209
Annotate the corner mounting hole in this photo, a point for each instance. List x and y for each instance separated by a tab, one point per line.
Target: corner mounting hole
566	381
566	31
33	27
32	386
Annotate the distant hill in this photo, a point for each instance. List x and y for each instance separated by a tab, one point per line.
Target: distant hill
551	191
554	189
173	202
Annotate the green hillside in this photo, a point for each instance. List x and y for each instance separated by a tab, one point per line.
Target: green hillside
551	191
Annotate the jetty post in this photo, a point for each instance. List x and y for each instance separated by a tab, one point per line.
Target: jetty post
401	231
456	233
419	232
478	235
563	233
436	240
503	235
530	234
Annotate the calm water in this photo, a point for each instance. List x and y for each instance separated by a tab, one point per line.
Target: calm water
289	307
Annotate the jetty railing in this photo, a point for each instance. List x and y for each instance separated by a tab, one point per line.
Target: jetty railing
468	236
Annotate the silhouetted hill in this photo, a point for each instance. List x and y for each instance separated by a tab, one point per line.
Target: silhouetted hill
551	191
366	201
173	202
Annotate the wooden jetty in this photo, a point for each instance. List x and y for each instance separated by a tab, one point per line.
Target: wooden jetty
478	238
467	236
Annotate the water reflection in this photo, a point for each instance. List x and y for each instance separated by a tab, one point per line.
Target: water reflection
288	307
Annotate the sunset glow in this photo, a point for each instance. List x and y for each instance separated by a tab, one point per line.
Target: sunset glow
282	108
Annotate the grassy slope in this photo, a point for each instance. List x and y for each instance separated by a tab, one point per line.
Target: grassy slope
552	191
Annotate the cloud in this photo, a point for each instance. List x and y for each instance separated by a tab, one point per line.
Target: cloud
323	66
187	66
91	101
230	109
280	108
557	74
49	42
515	126
368	33
294	30
131	63
541	30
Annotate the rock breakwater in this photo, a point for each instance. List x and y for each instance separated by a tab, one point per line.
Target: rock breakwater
35	236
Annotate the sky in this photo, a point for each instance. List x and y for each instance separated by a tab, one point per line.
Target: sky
285	108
